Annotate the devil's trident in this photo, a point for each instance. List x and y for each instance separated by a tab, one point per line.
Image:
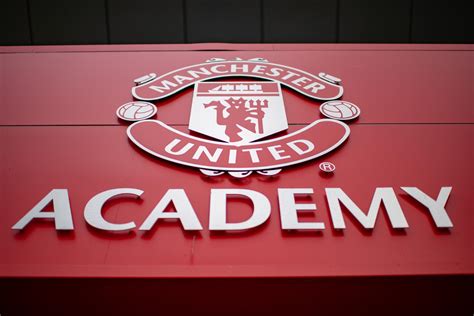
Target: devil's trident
257	112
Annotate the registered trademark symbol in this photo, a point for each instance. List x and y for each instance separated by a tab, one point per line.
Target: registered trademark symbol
327	166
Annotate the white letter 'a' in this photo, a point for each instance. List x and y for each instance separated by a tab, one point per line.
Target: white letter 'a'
386	196
436	208
61	214
184	211
218	209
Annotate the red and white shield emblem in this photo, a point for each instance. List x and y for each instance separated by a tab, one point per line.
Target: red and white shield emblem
238	112
239	116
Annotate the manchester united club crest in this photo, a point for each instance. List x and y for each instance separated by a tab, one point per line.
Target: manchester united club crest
241	120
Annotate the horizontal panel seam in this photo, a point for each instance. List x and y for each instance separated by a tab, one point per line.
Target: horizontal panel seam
243	50
179	124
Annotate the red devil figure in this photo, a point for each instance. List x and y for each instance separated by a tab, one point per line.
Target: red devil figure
240	113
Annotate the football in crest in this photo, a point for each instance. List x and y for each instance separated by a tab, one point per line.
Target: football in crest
340	110
136	111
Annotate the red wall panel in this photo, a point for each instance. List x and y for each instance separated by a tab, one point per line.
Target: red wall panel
420	86
59	130
88	160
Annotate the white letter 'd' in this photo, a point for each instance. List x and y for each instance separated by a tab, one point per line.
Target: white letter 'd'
61	214
93	209
436	208
218	209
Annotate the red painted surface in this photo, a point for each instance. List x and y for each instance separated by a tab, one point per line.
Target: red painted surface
85	87
88	160
392	88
